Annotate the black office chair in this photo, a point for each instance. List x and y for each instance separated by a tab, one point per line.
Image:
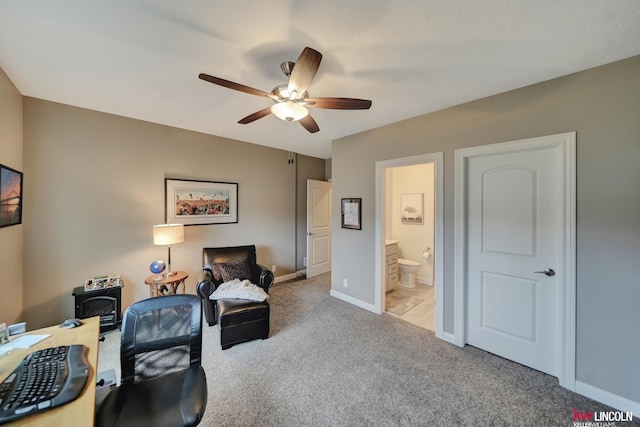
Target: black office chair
163	383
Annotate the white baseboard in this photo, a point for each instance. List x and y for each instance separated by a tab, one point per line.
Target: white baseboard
354	301
290	276
285	277
424	280
618	402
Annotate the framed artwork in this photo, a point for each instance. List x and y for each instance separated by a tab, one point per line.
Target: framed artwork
192	202
412	208
10	196
351	213
102	282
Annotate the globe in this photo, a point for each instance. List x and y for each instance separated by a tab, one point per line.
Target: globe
157	267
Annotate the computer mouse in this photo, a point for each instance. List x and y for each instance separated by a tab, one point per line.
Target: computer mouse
71	323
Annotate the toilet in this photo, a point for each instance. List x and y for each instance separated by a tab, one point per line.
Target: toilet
407	269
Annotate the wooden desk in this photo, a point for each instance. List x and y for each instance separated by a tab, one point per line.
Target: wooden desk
167	285
81	411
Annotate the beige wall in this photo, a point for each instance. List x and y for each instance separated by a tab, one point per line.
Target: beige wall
11	238
96	188
603	106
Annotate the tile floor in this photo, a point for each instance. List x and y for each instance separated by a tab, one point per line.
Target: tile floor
422	314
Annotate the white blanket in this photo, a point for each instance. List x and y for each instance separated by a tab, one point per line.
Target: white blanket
242	289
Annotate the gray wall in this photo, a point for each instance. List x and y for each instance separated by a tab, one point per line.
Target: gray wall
603	106
11	238
327	169
95	188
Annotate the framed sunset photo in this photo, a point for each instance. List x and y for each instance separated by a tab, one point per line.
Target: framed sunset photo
10	196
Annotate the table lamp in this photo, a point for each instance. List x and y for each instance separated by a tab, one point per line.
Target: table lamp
168	234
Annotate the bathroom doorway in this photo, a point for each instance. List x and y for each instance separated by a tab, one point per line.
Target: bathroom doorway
409	239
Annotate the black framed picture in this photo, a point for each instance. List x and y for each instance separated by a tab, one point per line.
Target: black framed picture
192	202
351	213
10	196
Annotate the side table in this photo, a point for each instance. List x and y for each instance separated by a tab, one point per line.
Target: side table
167	285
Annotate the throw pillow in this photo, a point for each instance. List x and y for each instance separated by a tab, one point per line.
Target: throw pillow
216	269
235	269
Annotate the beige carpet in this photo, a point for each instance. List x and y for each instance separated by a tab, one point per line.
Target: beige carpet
399	301
328	363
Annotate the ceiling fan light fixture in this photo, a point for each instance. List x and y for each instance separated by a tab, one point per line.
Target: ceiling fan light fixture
282	93
292	99
289	111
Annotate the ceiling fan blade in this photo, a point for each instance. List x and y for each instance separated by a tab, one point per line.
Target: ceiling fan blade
304	71
234	86
255	116
339	103
309	124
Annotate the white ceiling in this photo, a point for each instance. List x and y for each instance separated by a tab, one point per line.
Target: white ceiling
141	58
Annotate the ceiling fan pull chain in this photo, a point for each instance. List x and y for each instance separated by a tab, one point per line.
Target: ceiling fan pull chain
290	143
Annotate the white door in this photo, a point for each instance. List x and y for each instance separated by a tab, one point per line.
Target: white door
515	211
318	227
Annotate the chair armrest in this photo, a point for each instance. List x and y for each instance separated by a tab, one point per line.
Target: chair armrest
204	289
263	276
207	274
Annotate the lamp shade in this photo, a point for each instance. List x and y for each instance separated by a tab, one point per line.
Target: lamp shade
168	234
289	111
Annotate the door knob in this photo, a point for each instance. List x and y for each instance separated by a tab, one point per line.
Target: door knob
311	234
549	272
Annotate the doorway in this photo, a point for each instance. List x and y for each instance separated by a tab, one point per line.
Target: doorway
318	227
432	251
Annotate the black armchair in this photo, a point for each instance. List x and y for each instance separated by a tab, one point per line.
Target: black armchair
163	383
239	320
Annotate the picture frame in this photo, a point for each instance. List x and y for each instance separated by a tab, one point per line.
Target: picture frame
102	282
10	196
193	202
351	213
412	208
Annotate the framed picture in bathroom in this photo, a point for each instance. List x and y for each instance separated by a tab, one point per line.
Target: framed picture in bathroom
351	213
412	208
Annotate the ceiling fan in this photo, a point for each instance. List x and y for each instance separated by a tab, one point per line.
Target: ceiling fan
292	99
